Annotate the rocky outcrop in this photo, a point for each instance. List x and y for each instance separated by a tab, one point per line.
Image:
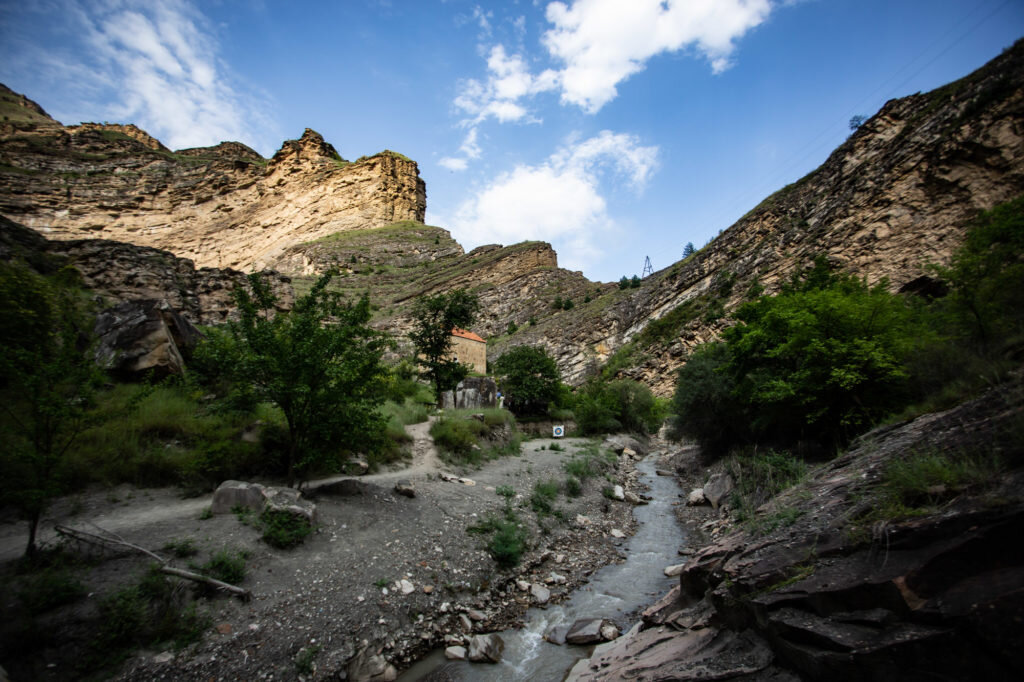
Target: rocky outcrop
116	272
222	206
143	339
845	593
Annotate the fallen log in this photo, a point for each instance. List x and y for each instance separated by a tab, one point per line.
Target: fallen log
106	538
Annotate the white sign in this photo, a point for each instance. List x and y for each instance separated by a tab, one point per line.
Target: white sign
558	431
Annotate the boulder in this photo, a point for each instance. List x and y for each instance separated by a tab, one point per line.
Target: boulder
143	338
486	648
717	487
232	494
289	501
405	488
673	571
619	442
585	631
696	498
455	653
472	393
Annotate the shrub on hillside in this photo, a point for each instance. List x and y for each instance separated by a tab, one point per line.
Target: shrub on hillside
621	405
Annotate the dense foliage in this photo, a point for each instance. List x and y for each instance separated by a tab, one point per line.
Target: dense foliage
620	405
528	378
319	363
47	381
434	318
830	356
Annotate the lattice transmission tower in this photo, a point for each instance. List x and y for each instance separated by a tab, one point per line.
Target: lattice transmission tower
648	268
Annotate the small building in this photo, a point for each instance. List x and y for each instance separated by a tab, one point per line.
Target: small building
469	349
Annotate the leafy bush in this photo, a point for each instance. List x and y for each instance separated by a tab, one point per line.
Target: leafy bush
284	530
226	566
621	405
573	487
457	437
508	543
46	589
529	379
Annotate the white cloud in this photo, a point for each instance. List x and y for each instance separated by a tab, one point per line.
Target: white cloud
153	63
508	80
603	42
558	201
597	44
453	163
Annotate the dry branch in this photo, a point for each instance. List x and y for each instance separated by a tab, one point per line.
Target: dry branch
106	538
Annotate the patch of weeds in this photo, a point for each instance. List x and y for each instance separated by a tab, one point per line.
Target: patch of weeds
381	583
304	659
782	518
246	516
609	492
284	530
543	496
508	539
556	447
226	566
761	476
181	548
206	514
573	487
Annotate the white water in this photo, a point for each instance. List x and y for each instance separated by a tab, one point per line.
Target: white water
614	592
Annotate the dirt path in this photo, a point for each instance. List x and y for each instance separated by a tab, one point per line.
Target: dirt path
347	582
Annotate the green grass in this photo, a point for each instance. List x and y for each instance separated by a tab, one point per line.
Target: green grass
759	477
543	497
508	538
181	548
226	565
589	462
284	530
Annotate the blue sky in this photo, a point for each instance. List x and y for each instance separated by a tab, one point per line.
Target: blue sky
614	129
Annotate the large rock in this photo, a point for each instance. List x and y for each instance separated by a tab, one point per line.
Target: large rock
486	648
540	593
472	393
717	487
620	442
144	338
230	495
585	631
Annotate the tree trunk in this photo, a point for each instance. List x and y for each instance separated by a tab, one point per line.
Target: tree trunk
33	525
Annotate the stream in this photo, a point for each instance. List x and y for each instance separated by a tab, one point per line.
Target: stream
614	592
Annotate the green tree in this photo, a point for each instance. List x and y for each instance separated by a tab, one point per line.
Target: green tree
319	362
620	405
986	278
818	363
688	250
434	318
47	380
528	378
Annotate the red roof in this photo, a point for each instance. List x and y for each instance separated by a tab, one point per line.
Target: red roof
467	335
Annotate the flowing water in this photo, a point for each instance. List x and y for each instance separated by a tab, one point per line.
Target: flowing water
614	592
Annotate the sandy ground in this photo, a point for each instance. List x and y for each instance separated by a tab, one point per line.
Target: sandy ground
338	592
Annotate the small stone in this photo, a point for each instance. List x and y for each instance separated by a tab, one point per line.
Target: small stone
466	623
455	653
618	493
696	497
477	616
406	586
165	657
540	593
467	481
224	628
556	579
427	589
522	585
633	498
609	632
582	520
616	533
673	571
405	488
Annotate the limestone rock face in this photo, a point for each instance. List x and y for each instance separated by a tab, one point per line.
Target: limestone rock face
222	206
118	272
143	338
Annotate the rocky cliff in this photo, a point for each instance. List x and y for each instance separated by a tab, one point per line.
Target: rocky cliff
222	206
893	198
